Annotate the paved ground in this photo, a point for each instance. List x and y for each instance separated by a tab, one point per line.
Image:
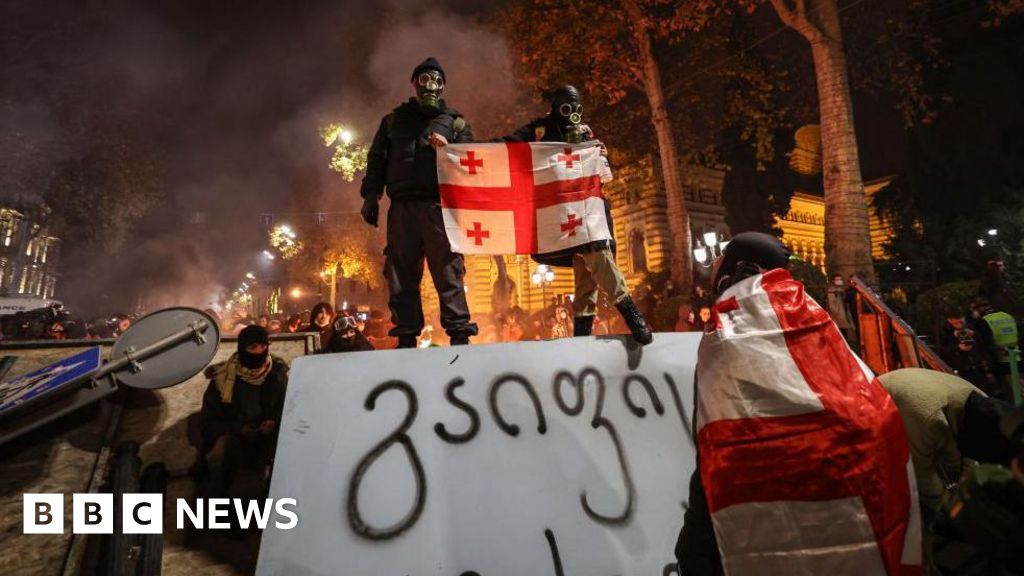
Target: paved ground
60	457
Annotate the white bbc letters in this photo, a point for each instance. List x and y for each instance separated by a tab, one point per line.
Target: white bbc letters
219	508
185	509
293	518
92	514
142	513
43	513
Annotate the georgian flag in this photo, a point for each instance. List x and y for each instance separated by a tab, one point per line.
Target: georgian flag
803	454
521	198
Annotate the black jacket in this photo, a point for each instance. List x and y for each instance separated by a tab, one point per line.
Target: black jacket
547	129
338	344
218	419
402	159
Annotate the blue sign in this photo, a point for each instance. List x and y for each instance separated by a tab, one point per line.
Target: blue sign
48	380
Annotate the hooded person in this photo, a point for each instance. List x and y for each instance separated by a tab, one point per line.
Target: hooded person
346	337
402	160
241	409
794	433
593	263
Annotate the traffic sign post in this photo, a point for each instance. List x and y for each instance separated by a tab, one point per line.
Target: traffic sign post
162	349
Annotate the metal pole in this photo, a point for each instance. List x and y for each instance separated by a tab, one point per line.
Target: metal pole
334	288
132	358
1015	375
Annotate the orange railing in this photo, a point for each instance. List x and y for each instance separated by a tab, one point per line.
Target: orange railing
887	342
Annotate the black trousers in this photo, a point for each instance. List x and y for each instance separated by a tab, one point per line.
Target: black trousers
416	232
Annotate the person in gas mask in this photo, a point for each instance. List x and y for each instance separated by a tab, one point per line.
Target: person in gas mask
241	411
403	160
593	264
345	337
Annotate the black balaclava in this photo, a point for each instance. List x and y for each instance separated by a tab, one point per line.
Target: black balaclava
566	107
745	255
247	337
429	80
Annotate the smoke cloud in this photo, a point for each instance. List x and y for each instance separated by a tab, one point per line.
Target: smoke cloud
231	95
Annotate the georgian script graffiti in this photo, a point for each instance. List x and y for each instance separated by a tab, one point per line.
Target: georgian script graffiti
572	394
355	518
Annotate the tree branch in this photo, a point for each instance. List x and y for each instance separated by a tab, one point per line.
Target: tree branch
796	18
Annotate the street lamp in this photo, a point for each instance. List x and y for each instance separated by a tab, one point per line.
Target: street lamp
713	247
268	255
543	276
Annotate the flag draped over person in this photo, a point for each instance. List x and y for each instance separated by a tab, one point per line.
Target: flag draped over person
522	198
802	453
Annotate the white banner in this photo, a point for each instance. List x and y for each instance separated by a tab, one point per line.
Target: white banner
566	457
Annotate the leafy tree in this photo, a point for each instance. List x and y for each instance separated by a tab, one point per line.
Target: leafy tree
963	176
847	234
612	47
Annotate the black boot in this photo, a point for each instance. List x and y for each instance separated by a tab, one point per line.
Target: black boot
583	326
458	340
635	320
406	341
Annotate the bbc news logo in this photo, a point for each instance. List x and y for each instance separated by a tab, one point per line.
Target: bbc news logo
144	513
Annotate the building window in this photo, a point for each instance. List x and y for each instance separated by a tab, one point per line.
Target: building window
8	228
637	252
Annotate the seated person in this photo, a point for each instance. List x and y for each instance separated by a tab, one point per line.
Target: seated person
242	410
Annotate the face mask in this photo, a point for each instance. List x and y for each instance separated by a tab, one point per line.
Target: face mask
570	116
429	86
252	361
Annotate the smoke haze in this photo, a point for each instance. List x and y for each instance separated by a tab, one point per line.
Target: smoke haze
230	95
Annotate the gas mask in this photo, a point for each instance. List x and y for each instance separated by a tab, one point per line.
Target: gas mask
429	86
567	109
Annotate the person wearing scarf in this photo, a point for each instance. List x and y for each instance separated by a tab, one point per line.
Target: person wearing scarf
242	409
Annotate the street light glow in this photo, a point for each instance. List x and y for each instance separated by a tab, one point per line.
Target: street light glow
346	136
992	231
711	239
296	292
981	242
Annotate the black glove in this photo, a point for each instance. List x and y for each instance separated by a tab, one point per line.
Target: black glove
371	210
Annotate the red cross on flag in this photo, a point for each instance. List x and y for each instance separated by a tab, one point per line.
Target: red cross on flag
521	198
803	454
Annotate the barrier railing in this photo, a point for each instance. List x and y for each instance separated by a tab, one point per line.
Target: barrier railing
887	342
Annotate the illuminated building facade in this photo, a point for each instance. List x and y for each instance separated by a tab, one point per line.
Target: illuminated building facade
28	253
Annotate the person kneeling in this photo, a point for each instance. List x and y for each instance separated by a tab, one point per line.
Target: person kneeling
241	411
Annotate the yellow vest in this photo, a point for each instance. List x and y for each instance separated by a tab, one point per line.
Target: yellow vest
1004	332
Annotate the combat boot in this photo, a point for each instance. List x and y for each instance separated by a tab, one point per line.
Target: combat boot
635	320
583	326
459	340
406	341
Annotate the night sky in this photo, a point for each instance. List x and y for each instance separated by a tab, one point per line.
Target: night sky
231	94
